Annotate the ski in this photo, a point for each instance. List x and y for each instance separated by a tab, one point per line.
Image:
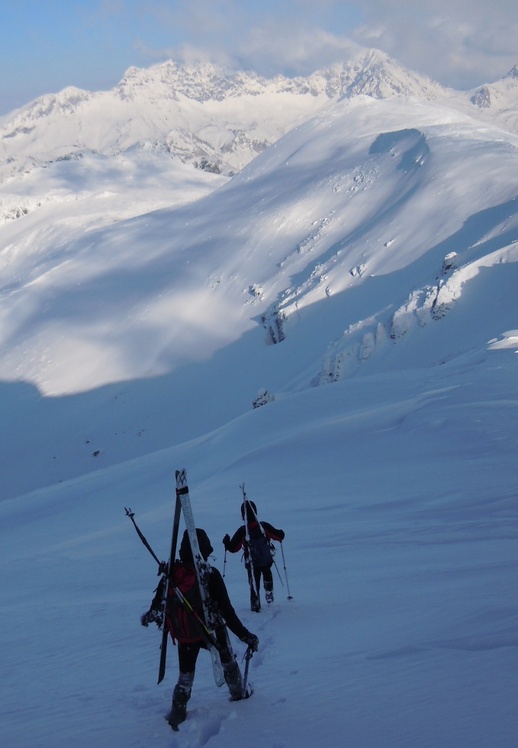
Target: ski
249	510
172	555
256	605
201	568
248	506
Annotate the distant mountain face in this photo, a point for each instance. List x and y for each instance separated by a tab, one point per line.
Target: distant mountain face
499	94
199	114
499	100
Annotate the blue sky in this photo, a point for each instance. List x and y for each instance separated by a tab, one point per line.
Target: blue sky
46	45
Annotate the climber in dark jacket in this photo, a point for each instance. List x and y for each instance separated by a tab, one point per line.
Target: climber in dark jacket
254	538
192	637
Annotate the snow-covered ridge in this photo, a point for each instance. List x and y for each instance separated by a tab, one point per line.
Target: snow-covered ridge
373	336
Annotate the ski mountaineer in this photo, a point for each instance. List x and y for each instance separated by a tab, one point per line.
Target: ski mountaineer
254	538
183	626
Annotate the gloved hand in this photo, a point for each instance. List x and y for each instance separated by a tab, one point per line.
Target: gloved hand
152	616
226	540
252	641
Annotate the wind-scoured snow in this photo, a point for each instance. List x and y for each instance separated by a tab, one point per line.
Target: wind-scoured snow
336	327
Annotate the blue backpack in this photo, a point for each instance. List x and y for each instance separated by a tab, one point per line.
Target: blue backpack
261	550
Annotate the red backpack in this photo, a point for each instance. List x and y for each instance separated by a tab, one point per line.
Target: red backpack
180	621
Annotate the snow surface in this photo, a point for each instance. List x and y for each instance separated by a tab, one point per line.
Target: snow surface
380	240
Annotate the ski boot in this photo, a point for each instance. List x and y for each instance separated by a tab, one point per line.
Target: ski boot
234	681
178	712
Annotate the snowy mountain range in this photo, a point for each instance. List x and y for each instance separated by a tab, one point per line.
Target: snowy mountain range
210	117
194	113
331	320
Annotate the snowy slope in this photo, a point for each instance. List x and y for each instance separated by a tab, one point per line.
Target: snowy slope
397	493
363	270
357	231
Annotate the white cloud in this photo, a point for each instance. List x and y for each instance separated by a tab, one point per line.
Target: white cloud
302	51
461	44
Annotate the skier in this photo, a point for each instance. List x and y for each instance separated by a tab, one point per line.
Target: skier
185	628
254	538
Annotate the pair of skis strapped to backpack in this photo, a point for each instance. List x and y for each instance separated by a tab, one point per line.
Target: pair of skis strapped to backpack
202	570
206	621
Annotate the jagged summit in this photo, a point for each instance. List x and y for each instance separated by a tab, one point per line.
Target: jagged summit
370	73
373	73
498	101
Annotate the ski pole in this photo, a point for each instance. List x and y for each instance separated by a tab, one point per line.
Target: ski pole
208	633
286	573
131	515
278	572
248	657
224	563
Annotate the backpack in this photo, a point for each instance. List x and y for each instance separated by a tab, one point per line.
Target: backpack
182	624
260	549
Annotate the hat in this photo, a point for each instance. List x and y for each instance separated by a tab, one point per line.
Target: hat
251	510
203	542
